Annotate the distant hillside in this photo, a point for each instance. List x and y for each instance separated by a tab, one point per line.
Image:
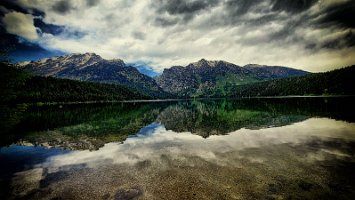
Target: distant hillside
216	78
19	87
336	82
273	72
93	68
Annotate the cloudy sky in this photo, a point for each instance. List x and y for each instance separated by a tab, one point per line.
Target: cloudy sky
315	35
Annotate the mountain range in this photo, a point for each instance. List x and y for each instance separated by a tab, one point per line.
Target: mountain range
91	67
200	79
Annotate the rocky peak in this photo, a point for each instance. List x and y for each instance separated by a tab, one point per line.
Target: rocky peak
209	63
203	63
117	61
82	59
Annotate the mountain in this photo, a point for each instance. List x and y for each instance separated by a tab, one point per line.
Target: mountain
93	68
336	82
216	78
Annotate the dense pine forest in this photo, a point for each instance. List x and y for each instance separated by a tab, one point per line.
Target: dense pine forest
336	82
19	87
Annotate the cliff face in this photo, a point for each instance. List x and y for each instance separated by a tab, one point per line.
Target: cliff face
216	78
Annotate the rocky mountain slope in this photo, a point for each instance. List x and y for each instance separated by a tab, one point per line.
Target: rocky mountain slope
217	78
200	79
93	68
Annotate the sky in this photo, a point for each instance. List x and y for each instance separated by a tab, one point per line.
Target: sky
313	35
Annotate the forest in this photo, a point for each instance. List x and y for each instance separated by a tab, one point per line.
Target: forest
20	87
336	82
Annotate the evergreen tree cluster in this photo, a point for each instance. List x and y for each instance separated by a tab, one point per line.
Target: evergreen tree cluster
336	82
19	87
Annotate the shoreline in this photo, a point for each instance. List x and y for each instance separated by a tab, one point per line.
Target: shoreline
187	99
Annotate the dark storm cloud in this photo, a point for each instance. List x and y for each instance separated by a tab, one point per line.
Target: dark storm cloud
292	6
185	9
235	9
174	7
340	14
20	50
294	16
57	30
11	5
235	14
239	7
139	35
266	18
62	7
336	17
161	21
48	28
91	3
290	27
341	42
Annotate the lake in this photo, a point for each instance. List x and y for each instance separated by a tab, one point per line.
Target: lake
277	148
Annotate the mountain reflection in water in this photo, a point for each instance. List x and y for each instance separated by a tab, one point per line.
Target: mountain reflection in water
92	126
225	149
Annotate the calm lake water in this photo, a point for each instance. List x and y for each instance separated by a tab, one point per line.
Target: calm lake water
287	148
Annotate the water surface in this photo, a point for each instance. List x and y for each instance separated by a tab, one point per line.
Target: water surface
297	148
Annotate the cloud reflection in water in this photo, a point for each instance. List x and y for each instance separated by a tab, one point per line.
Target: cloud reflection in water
160	142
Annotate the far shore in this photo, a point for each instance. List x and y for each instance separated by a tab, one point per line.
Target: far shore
186	99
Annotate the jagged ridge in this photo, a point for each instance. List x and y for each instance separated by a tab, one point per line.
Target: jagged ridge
91	67
216	78
198	79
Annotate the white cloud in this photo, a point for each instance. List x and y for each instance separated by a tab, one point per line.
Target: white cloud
111	28
20	24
